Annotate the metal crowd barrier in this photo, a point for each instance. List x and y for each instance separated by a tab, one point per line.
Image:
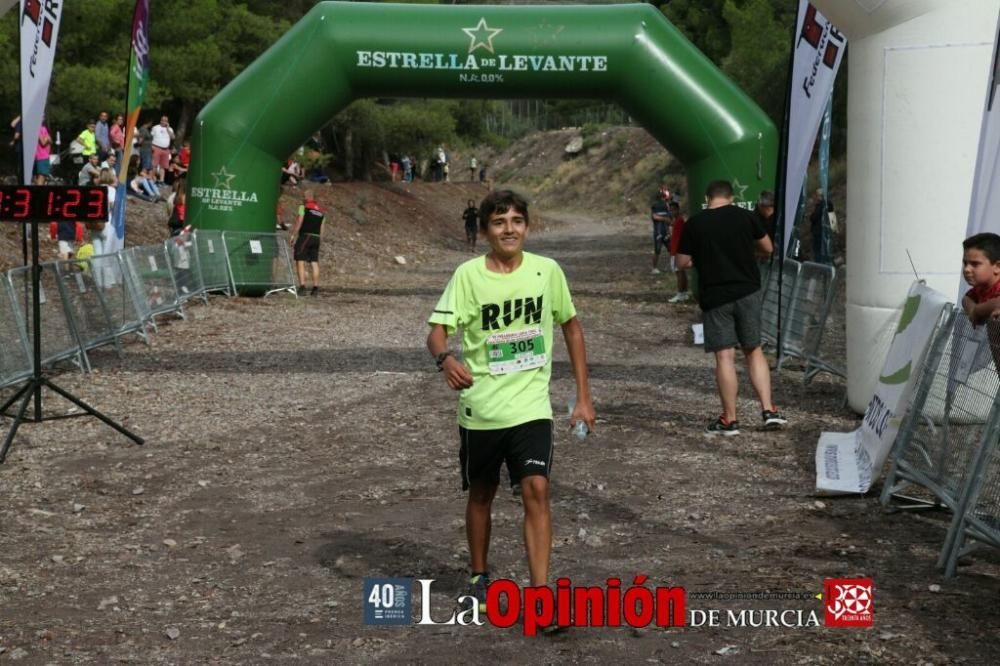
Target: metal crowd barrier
259	261
807	293
185	265
946	448
935	439
88	303
978	515
769	306
213	261
808	316
15	355
152	281
60	340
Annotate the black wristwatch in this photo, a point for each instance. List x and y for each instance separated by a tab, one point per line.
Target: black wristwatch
439	359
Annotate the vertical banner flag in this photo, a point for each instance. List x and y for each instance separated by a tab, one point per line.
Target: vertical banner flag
848	462
984	209
818	49
39	27
138	79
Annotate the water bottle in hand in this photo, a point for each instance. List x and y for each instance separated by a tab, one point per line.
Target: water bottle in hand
579	428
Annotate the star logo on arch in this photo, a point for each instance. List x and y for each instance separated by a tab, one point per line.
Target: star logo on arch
738	189
223	179
481	36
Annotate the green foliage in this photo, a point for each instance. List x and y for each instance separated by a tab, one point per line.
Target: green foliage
701	22
760	39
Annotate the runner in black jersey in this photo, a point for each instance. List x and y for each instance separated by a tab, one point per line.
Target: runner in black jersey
305	239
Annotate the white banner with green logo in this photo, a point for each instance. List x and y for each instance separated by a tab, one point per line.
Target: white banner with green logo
848	462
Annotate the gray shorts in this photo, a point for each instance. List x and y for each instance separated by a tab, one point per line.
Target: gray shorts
735	324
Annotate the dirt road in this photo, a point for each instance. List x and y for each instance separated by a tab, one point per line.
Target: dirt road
297	446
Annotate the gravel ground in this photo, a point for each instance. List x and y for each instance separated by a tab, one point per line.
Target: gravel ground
296	446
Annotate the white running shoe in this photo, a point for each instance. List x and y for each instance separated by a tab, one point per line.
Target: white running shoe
679	297
655	271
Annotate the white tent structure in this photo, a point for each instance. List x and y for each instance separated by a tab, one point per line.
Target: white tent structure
918	73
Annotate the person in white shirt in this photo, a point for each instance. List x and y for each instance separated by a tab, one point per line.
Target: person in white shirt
163	137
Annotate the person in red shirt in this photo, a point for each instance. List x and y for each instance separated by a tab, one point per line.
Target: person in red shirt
981	270
184	157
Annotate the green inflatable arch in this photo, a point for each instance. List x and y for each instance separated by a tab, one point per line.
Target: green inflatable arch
342	51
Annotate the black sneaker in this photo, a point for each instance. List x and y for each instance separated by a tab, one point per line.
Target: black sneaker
772	418
554	628
722	427
314	292
477	588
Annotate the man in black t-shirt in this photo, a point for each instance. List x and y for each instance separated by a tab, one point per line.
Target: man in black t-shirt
305	239
722	242
765	213
471	217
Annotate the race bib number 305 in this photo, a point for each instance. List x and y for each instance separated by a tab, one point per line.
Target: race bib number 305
513	351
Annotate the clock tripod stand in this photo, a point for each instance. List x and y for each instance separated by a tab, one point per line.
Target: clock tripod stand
32	389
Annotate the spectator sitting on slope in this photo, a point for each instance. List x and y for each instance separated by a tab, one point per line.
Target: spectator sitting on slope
142	186
90	172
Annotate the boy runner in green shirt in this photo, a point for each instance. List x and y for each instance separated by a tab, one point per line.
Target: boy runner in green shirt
506	303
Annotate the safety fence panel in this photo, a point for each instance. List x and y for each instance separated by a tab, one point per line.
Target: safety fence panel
259	262
59	339
769	305
84	301
15	356
808	316
152	280
948	415
765	268
185	265
101	314
977	515
213	263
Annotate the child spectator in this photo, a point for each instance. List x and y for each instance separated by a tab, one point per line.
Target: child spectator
88	140
981	270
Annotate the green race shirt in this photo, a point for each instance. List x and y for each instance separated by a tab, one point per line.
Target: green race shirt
506	321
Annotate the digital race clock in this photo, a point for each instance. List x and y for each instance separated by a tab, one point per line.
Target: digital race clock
46	203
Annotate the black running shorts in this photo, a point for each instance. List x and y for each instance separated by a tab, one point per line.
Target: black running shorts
526	448
307	248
